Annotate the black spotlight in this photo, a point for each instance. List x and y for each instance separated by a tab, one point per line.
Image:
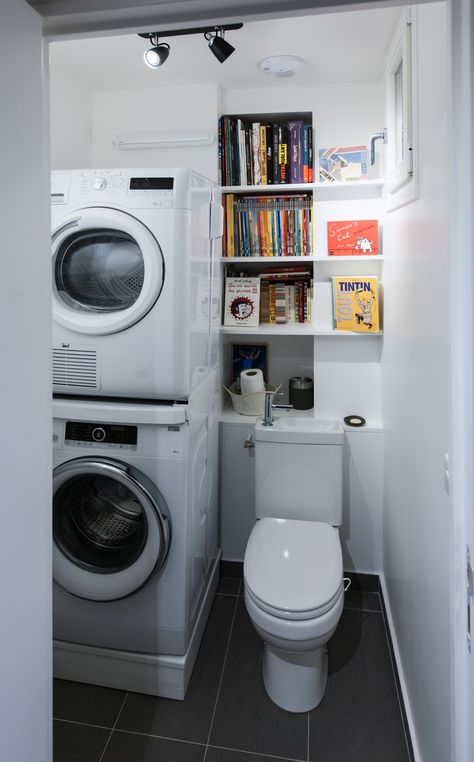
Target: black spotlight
219	46
156	56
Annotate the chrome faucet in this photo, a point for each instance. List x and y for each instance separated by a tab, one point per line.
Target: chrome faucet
268	415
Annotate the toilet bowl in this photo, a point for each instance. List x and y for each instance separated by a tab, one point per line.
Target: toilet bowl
293	583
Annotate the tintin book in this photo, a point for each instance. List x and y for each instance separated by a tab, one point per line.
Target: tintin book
352	238
356	303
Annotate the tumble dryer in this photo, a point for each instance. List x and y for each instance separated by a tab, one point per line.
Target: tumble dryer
134	543
132	281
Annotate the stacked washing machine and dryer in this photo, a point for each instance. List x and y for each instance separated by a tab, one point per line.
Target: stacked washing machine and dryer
136	306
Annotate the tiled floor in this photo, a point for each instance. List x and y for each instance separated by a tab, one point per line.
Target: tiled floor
227	717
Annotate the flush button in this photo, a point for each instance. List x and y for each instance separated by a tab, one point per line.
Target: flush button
98	434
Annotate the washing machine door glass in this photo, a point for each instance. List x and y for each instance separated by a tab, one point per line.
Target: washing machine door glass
107	271
110	528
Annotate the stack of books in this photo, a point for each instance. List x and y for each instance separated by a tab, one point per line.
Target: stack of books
286	295
268	226
253	153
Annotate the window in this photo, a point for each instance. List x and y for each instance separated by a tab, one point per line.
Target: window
401	128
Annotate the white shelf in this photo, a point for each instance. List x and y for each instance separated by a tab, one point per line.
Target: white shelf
293	329
282	260
323	191
301	260
286	329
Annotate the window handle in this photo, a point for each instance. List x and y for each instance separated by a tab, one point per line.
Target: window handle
377	136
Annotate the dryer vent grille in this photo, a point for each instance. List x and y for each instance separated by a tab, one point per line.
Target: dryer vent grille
75	368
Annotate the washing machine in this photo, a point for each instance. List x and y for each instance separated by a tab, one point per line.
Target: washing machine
134	543
132	281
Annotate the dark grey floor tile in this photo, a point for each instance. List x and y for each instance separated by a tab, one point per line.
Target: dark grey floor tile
228	755
359	718
91	704
128	747
78	743
229	585
370	583
245	717
358	599
190	719
232	569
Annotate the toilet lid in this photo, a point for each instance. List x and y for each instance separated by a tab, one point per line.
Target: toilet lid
293	567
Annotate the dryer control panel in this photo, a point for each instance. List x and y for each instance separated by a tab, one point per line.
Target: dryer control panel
90	434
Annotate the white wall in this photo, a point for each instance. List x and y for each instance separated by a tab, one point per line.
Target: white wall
165	108
25	411
415	376
71	122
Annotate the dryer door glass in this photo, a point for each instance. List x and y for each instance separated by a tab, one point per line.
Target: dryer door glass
111	528
99	523
99	271
108	271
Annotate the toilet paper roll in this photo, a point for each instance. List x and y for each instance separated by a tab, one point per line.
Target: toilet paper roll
251	381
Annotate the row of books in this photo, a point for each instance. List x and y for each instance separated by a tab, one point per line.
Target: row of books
276	296
264	154
262	226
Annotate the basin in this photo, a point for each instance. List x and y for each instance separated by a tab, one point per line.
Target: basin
302	430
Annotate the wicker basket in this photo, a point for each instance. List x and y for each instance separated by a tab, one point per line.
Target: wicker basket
249	404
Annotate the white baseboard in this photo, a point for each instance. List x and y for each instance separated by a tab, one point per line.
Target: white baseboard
398	666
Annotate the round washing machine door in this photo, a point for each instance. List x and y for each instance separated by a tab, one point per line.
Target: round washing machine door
111	528
108	271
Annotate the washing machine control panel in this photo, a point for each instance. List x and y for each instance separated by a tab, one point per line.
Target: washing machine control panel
91	434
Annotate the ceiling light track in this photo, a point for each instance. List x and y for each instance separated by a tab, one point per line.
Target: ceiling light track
156	56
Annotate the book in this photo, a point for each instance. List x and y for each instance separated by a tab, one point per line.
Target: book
343	164
283	154
257	177
263	154
295	130
242	302
351	238
356	303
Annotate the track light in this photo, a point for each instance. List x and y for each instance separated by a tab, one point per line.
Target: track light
156	56
218	45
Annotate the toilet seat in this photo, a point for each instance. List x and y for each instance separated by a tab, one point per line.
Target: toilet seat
293	568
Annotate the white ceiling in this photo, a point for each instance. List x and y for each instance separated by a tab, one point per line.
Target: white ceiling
339	47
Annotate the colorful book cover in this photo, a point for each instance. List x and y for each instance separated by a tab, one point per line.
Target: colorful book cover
242	302
306	153
343	164
356	303
283	158
351	238
295	130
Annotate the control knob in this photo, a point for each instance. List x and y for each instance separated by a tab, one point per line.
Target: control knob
99	183
98	434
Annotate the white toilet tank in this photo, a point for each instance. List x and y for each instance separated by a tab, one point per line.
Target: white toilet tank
298	469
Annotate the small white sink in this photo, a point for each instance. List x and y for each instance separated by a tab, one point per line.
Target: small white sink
301	430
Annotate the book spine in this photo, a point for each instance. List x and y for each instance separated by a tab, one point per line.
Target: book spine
220	153
257	177
269	153
305	154
263	154
310	155
275	162
283	154
248	156
230	224
280	303
272	311
296	146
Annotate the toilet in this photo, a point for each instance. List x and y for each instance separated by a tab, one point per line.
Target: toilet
293	576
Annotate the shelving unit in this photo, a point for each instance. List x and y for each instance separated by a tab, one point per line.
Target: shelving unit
335	359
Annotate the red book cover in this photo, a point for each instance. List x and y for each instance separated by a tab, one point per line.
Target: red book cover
352	238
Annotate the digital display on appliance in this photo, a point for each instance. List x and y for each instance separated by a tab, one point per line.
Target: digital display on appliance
151	183
101	432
